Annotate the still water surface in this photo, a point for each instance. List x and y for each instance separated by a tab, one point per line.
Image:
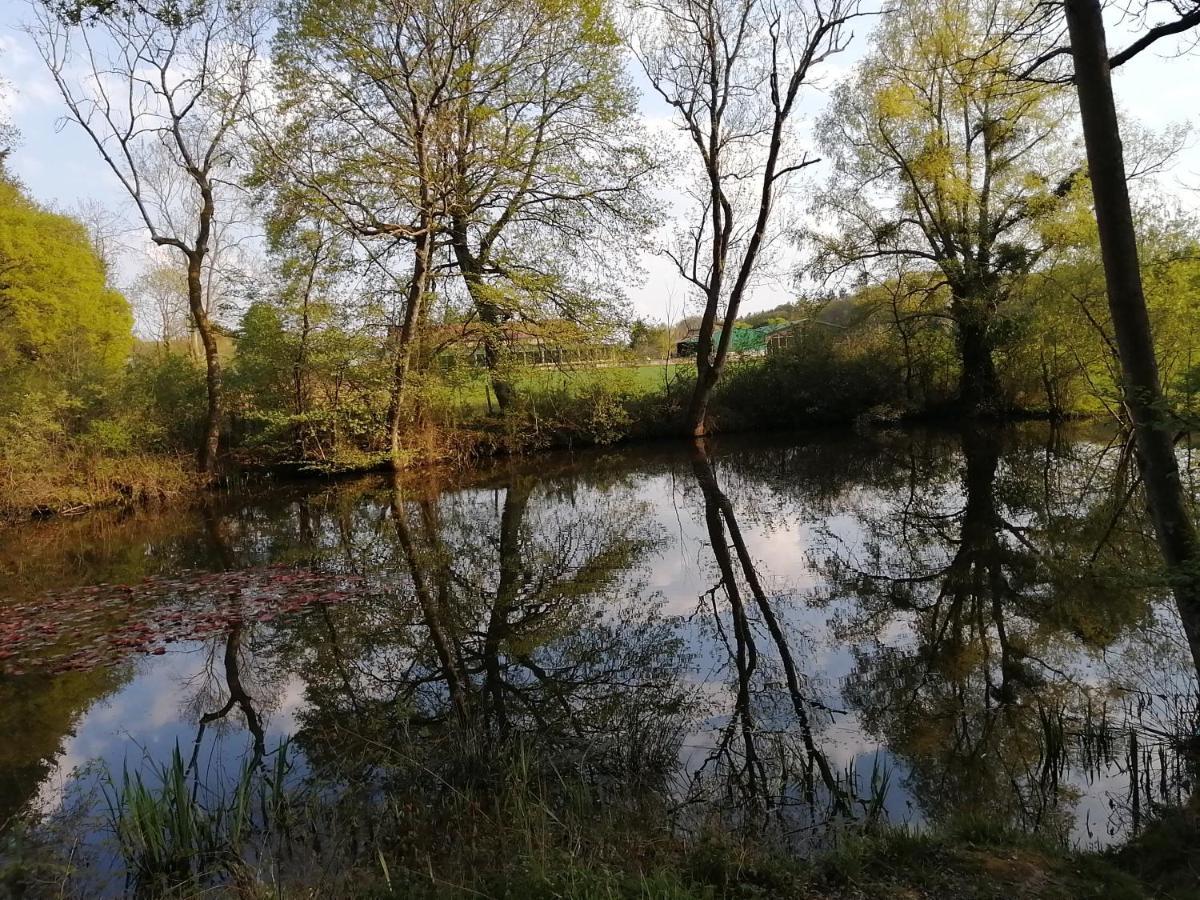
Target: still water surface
779	633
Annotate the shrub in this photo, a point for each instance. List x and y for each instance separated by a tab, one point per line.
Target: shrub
821	378
164	400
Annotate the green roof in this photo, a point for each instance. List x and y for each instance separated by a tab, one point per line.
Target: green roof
745	339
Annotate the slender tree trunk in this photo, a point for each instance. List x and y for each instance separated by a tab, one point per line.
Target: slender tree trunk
906	345
209	445
1173	526
299	370
706	380
405	341
439	631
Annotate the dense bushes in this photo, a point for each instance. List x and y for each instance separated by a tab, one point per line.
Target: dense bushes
127	445
304	387
64	334
80	425
823	377
163	399
887	352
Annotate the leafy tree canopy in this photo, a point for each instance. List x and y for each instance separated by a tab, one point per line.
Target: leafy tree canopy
61	326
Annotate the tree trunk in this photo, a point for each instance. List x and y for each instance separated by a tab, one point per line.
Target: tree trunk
706	380
1173	526
417	289
508	585
489	315
493	349
906	346
978	387
299	371
207	461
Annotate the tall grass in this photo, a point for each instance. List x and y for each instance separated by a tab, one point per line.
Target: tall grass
170	839
68	480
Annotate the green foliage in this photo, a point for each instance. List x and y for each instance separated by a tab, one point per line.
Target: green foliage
546	166
163	400
265	357
64	334
976	214
306	385
824	376
588	412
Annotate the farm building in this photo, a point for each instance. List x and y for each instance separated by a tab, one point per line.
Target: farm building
745	341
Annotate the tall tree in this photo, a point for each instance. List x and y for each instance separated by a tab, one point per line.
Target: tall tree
500	130
732	71
1152	421
356	138
160	89
550	168
943	161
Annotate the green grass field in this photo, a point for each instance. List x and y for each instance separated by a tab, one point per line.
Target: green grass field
471	396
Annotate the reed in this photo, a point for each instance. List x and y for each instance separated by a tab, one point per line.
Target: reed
172	840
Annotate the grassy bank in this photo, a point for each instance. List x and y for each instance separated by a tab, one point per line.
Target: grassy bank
69	481
447	815
453	422
969	862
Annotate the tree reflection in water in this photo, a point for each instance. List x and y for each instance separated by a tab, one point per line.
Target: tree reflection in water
508	634
219	687
239	698
1000	704
975	612
757	780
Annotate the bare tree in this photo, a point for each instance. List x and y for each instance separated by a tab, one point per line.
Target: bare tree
160	89
160	295
105	229
9	136
732	71
1047	29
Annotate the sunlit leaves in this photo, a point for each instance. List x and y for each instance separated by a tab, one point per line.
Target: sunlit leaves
62	328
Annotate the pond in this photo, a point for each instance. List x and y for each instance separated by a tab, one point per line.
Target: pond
783	635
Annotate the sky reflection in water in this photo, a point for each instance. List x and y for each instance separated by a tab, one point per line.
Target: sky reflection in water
957	618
